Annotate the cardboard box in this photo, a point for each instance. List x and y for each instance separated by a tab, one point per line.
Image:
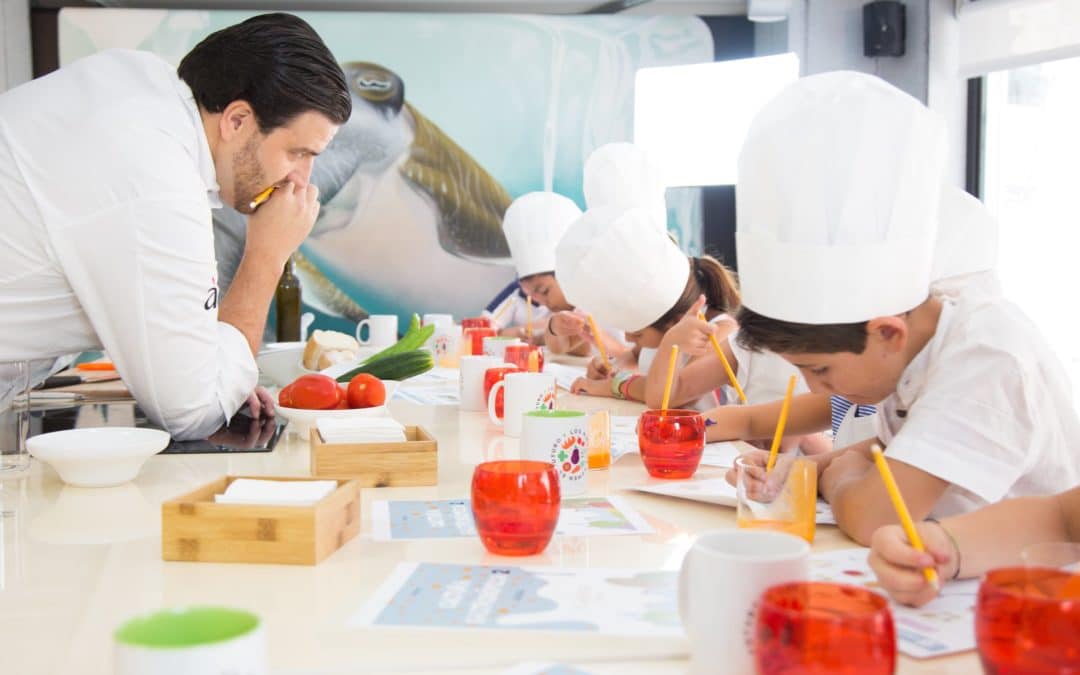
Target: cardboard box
410	463
196	528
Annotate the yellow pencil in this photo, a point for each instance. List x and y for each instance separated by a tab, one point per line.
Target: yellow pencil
597	337
528	317
670	376
901	510
780	424
727	366
262	197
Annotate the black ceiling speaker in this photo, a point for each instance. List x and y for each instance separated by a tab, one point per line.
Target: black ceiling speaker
884	28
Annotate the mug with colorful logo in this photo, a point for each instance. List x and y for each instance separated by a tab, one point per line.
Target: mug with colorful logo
559	437
524	392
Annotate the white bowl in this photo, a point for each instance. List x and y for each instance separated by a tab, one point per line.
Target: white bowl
280	361
97	456
301	420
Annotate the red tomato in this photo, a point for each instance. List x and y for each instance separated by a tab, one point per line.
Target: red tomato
314	392
284	397
366	391
342	405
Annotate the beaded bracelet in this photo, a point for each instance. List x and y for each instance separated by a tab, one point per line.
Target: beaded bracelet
956	546
617	381
625	388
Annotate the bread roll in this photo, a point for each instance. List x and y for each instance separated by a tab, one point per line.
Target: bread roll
327	347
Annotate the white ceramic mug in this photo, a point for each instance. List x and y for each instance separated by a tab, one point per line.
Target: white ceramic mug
720	584
382	330
561	438
437	320
524	392
472	380
496	345
205	640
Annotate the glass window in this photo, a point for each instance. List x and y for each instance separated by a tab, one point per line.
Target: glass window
1032	183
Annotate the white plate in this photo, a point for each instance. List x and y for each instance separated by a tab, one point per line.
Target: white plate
301	420
97	456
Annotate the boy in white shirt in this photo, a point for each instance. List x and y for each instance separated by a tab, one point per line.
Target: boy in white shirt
839	182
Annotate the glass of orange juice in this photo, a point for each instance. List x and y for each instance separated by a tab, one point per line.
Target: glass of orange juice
600	440
784	499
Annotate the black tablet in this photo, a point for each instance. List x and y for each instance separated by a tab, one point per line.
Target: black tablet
241	434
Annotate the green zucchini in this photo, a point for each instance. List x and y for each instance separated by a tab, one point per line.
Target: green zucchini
413	339
394	367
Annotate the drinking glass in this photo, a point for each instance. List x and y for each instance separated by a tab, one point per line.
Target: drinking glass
14	415
519	356
784	499
671	442
516	505
816	627
473	340
477	322
1027	619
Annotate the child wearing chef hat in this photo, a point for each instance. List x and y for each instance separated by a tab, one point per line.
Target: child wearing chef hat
837	200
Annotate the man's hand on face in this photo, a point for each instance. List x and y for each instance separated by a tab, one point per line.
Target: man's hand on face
281	223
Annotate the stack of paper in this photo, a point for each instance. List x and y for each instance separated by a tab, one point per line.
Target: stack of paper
276	492
361	430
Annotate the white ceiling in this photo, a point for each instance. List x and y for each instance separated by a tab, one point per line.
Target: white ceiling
698	7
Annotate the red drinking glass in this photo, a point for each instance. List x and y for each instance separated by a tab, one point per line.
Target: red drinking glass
477	322
491	376
474	337
516	505
1027	620
671	442
816	628
519	356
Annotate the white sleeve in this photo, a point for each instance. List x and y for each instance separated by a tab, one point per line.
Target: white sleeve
145	274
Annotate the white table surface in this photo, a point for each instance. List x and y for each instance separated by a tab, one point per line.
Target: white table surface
76	563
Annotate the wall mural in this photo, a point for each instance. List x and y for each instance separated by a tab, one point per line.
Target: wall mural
453	117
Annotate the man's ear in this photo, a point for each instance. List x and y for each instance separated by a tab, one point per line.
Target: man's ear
237	120
891	333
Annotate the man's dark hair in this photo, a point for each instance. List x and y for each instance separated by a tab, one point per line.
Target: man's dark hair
275	62
758	333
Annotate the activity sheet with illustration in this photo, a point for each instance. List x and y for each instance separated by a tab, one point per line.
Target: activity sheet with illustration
601	601
452	518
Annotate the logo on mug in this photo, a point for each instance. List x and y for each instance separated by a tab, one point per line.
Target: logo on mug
569	455
546	401
442	345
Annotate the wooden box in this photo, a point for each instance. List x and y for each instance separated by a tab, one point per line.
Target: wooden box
196	528
411	463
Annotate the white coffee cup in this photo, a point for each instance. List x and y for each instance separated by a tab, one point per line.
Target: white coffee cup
524	392
205	640
382	330
437	320
496	345
720	584
472	380
561	438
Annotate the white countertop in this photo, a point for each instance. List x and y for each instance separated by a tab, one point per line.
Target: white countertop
76	563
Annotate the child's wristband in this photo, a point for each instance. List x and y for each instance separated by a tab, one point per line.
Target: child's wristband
617	381
625	387
955	545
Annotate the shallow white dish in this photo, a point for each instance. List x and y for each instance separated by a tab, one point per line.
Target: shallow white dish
97	456
301	420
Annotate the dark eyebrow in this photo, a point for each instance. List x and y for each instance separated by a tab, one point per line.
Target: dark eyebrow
313	153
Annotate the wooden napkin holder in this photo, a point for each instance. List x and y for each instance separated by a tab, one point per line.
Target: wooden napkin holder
412	462
196	528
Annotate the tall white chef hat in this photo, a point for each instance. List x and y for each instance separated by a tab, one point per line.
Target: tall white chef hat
967	245
533	225
837	198
622	174
617	265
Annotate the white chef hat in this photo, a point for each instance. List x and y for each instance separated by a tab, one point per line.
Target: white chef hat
965	254
533	225
622	174
837	196
617	265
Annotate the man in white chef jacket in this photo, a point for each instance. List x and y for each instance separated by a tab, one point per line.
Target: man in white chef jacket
109	168
839	182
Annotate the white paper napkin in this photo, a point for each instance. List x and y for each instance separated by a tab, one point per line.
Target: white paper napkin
276	492
361	430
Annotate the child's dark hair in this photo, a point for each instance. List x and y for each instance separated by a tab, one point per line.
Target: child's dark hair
277	63
761	333
709	276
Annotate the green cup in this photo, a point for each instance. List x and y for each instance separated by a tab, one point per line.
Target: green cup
205	640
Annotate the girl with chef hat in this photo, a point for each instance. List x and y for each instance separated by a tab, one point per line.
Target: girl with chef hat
837	200
533	224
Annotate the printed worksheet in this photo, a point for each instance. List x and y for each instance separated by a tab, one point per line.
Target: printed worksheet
599	601
452	518
717	491
564	374
944	626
